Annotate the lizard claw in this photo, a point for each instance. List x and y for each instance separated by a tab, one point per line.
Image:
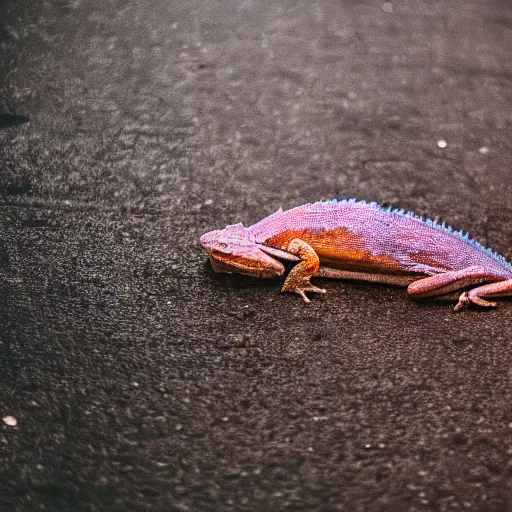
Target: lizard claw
304	296
464	301
467	298
314	289
302	289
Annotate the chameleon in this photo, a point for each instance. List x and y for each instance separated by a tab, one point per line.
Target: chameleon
357	240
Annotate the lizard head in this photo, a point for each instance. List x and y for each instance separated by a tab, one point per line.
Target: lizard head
233	249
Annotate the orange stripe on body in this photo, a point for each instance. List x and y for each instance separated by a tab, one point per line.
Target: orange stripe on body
339	248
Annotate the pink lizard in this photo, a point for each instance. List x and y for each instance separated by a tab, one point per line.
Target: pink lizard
351	239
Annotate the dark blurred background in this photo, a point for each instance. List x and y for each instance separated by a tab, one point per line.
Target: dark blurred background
139	379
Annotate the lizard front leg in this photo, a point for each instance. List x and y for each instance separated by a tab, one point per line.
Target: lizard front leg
442	284
298	280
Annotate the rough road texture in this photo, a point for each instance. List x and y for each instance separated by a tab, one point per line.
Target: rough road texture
142	381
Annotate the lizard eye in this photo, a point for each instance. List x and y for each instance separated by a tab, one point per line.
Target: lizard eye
223	245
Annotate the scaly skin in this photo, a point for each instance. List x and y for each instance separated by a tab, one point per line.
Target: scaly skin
364	241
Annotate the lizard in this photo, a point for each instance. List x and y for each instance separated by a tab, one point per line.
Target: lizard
358	240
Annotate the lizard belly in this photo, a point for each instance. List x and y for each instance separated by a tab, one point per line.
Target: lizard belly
341	249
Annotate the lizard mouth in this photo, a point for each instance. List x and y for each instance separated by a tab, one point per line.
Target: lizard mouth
259	266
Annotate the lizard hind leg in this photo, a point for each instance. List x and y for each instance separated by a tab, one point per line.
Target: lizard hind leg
298	280
499	289
447	282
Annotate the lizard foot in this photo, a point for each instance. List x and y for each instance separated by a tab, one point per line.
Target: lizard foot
467	298
302	288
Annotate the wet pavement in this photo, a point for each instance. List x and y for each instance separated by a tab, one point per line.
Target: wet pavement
140	380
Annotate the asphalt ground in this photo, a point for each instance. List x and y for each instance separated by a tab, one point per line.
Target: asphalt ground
141	380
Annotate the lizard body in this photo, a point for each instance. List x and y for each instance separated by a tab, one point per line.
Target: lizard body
351	239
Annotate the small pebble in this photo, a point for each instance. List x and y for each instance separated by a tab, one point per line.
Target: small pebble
442	143
387	7
10	421
483	150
